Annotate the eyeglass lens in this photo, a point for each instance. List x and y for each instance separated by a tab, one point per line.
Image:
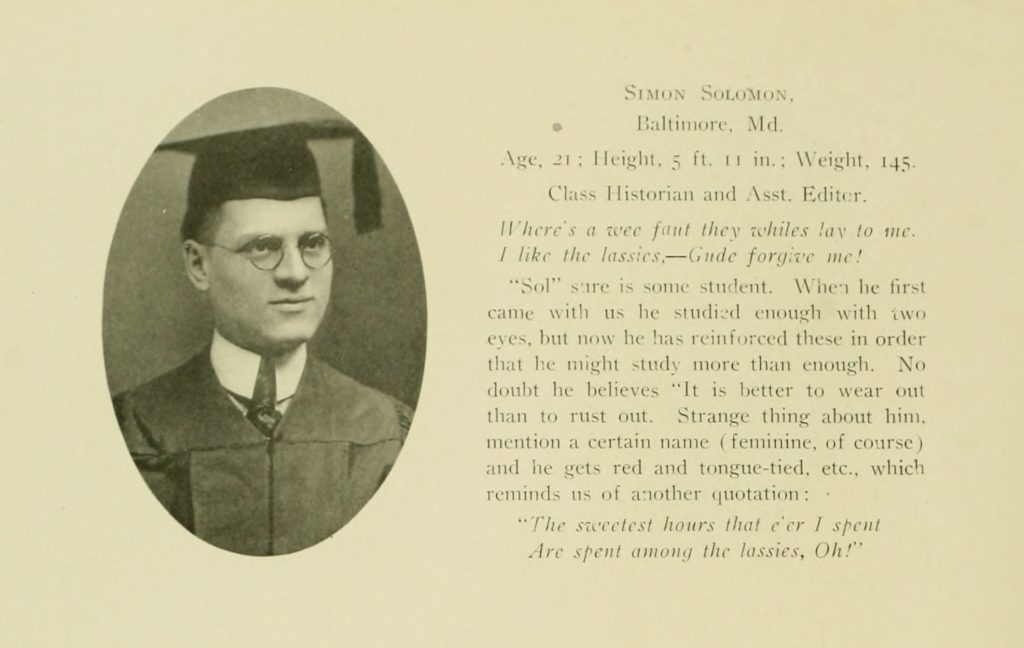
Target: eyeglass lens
267	252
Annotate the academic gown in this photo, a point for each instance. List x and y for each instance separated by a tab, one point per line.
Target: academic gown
250	493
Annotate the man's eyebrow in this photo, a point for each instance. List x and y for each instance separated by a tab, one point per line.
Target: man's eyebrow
249	241
249	238
258	235
307	234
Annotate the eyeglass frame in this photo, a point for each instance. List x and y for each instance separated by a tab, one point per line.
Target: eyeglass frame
241	251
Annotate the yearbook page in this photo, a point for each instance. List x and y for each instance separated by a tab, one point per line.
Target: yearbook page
566	324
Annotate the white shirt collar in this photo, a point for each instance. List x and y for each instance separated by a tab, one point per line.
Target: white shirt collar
236	368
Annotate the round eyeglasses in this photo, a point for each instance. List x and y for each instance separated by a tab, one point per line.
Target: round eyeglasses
267	252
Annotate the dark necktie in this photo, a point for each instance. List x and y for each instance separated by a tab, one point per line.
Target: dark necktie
262	411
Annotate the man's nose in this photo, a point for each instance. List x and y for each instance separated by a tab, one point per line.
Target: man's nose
292	269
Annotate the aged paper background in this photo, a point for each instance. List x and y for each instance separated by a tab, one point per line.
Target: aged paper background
441	89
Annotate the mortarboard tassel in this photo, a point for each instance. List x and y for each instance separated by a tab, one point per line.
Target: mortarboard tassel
365	185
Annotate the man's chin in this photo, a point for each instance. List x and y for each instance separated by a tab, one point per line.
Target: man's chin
277	344
281	345
276	339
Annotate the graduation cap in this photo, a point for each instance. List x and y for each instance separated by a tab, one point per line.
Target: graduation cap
255	144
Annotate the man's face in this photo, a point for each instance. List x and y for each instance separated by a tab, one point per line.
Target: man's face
265	311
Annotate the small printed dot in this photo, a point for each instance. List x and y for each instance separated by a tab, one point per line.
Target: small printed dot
556	127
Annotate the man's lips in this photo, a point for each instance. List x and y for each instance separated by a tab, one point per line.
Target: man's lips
291	300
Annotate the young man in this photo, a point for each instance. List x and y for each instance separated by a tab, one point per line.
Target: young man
254	445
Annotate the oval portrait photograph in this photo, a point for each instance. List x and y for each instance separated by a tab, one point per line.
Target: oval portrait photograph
264	322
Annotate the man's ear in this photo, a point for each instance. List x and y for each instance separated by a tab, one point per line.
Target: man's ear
194	256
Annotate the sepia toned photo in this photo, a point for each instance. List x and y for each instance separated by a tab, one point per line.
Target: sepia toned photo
264	322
